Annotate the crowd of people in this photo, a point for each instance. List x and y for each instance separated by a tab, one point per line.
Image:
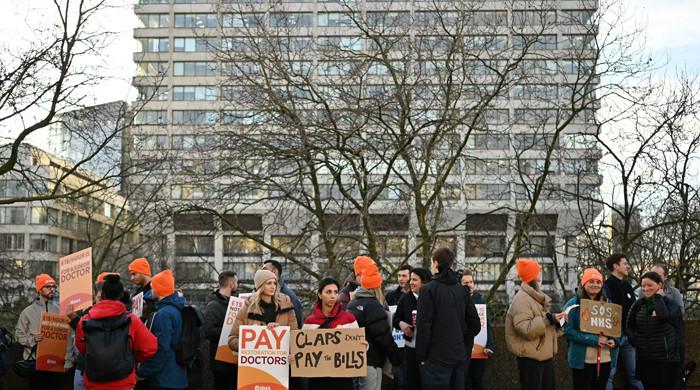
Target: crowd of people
435	313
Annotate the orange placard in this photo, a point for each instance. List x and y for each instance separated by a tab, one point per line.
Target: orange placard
263	358
51	350
223	352
478	349
75	281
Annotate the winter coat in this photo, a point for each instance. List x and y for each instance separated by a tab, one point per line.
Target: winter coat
370	314
447	321
580	341
620	292
29	323
479	300
214	316
339	318
528	331
298	310
285	316
143	343
671	292
654	328
404	312
393	296
162	369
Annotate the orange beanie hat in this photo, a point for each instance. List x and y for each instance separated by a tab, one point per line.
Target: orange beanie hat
528	269
140	266
163	283
371	278
42	280
101	277
361	262
591	274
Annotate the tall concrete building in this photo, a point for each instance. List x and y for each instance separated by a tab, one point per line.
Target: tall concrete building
488	103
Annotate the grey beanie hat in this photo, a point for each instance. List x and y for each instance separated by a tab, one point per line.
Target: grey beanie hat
262	276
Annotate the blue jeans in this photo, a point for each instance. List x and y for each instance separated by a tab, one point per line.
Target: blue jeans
78	380
441	377
629	360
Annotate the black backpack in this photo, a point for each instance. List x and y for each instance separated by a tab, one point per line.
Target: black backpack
188	350
109	352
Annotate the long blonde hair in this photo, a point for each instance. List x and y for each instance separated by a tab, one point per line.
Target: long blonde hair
254	300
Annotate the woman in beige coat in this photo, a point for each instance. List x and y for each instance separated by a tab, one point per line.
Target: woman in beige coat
531	330
266	306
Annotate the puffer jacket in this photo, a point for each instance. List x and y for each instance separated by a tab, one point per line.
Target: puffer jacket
162	369
285	317
654	328
339	318
529	333
370	314
214	317
580	341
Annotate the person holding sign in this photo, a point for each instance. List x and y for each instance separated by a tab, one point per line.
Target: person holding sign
266	306
474	377
654	328
405	320
27	331
140	275
587	350
368	309
329	315
225	374
531	330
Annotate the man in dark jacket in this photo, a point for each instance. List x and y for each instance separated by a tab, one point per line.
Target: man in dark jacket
403	277
275	267
474	378
446	324
619	291
225	374
140	275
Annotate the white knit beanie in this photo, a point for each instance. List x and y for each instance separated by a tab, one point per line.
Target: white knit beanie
262	276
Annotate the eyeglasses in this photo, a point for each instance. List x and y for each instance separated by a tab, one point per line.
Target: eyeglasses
51	287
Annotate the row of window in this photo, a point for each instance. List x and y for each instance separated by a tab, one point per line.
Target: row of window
48	216
401	19
41	243
434	44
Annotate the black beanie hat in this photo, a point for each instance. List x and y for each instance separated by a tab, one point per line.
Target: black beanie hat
112	288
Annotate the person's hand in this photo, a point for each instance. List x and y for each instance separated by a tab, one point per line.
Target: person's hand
406	329
602	340
70	312
611	343
37	337
272	325
561	315
489	351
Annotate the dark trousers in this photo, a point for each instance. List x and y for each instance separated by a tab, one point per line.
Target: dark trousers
436	377
536	375
412	369
226	380
588	379
330	384
42	380
474	378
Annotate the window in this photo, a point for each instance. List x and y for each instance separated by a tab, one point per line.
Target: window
194	117
538	67
68	221
334	19
194	68
486	42
68	245
194	245
535	92
242	20
150	142
193	142
533	141
579	166
485	272
39	216
43	242
485	246
535	42
488	18
487	191
537	166
151	68
154	1
578	141
200	45
392	245
288	19
578	67
296	245
489	142
535	117
578	17
539	246
153	45
388	19
340	43
12	189
153	20
194	92
538	18
151	117
241	246
579	42
344	247
193	272
487	167
11	242
147	93
242	117
196	21
188	191
445	241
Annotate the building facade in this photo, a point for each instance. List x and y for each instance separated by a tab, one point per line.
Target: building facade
255	111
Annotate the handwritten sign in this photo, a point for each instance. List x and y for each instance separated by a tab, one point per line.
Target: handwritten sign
51	350
75	283
223	352
328	353
601	318
397	334
137	305
481	338
263	358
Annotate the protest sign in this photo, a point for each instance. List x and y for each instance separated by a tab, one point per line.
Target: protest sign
481	338
263	358
137	305
245	296
397	334
328	353
51	350
75	281
601	318
223	352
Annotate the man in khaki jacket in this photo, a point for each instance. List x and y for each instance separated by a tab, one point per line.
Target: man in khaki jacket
531	330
